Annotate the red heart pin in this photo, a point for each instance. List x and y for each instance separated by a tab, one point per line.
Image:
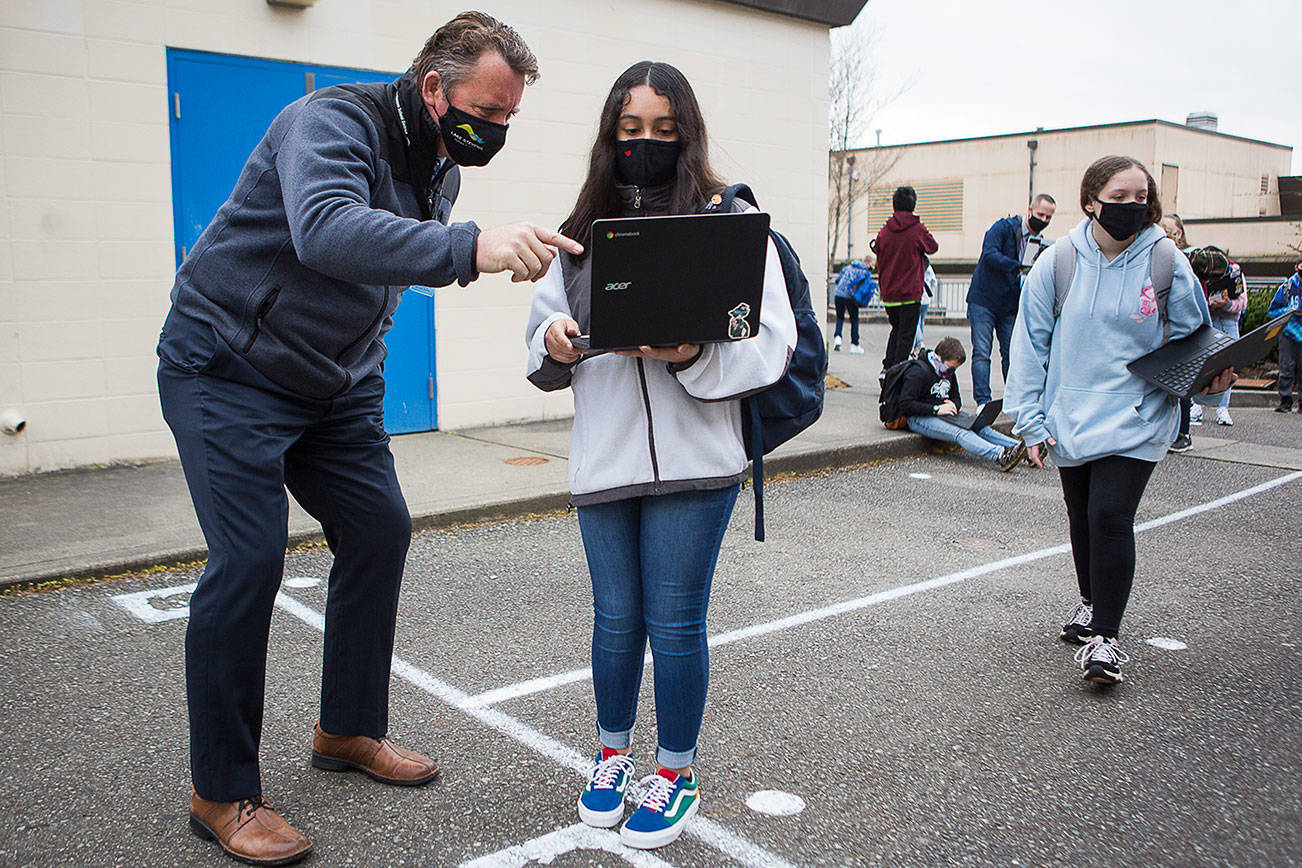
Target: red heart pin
628	153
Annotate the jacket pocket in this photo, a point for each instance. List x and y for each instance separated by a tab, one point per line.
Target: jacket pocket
264	308
1087	424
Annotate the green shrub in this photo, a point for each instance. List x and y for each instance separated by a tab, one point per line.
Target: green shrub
1255	315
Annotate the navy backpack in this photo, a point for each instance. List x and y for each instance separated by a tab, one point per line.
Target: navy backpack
773	416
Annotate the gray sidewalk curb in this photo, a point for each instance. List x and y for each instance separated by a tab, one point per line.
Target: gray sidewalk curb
805	461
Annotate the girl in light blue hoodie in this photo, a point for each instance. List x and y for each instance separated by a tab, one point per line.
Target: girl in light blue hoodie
1070	392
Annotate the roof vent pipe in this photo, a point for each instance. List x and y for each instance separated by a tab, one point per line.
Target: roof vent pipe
1201	121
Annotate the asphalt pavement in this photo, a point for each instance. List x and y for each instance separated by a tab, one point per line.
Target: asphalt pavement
889	656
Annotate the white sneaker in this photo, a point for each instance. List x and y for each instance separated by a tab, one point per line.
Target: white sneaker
1223	416
836	343
1196	414
1100	661
856	350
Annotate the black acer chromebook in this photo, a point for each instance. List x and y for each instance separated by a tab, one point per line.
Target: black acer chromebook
1185	366
663	281
989	412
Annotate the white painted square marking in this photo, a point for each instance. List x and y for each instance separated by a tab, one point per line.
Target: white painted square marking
562	841
154	607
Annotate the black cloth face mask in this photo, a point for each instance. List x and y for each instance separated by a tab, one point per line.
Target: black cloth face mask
1121	220
470	141
1037	225
646	162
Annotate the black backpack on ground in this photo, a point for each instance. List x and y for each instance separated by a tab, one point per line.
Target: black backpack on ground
773	416
888	405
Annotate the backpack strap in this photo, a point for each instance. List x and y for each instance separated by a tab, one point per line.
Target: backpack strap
1161	271
757	467
1064	269
722	201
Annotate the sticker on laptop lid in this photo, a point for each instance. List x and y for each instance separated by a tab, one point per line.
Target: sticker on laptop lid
738	328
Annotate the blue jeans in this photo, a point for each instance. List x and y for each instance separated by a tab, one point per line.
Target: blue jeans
986	443
1228	323
652	560
986	325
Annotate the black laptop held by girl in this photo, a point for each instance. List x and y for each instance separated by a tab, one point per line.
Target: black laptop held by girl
1186	366
690	279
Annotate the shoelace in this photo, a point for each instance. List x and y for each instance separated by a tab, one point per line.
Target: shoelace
1103	651
1082	614
606	773
251	806
658	792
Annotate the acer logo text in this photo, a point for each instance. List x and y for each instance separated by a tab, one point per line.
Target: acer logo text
612	287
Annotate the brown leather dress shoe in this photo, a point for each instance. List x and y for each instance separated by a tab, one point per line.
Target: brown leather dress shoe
378	758
248	830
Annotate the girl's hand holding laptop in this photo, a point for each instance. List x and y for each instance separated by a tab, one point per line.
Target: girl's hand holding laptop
673	355
557	341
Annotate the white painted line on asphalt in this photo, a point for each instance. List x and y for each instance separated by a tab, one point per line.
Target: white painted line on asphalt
919	475
705	830
1167	644
537	685
562	841
142	603
302	582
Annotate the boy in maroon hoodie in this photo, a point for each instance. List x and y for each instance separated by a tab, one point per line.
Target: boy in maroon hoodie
900	246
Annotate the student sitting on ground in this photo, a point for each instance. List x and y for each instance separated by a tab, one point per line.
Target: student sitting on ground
929	391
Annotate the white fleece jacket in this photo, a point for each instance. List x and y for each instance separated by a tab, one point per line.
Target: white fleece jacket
640	429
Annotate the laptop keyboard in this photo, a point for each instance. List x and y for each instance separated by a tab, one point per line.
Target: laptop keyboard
1180	377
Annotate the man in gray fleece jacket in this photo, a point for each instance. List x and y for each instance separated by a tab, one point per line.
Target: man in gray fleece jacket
270	377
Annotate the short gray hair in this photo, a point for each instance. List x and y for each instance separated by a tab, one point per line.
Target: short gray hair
456	47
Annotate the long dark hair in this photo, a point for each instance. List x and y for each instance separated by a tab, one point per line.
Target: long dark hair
695	180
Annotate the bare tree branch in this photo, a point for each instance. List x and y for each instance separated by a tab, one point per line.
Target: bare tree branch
854	98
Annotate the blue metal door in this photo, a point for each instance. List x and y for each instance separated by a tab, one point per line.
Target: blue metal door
219	107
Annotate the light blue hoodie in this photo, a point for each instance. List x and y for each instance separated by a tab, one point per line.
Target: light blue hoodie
1067	378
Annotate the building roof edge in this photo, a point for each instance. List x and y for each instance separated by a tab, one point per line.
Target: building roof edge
1154	121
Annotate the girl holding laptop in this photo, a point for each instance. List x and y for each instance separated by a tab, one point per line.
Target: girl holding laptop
1072	395
656	454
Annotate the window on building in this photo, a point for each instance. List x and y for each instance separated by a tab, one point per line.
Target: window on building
1265	184
940	204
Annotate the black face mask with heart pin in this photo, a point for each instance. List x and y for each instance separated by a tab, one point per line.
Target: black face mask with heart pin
646	162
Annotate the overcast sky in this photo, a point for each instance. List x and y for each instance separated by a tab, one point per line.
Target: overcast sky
983	67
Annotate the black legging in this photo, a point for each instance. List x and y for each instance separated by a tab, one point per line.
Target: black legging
1186	405
1102	497
904	327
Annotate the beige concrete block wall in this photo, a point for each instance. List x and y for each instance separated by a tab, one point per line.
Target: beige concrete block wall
85	191
1219	176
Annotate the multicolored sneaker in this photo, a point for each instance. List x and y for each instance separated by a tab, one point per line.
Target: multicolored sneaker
1077	629
601	803
1101	660
668	803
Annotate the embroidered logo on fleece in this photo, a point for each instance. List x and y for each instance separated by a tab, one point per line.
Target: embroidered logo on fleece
1147	303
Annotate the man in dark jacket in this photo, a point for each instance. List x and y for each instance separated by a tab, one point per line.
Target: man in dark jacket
900	246
997	286
929	393
270	377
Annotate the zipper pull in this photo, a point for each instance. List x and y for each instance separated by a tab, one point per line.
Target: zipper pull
637	198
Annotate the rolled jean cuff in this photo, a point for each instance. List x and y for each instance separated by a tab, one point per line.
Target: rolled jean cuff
615	740
675	759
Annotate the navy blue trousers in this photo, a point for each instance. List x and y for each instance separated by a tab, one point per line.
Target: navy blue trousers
243	440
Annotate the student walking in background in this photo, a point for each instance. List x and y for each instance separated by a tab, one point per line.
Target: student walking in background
997	285
1072	396
900	246
1226	290
656	457
1289	297
854	288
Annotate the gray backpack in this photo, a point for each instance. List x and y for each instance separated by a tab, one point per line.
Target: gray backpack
1161	271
